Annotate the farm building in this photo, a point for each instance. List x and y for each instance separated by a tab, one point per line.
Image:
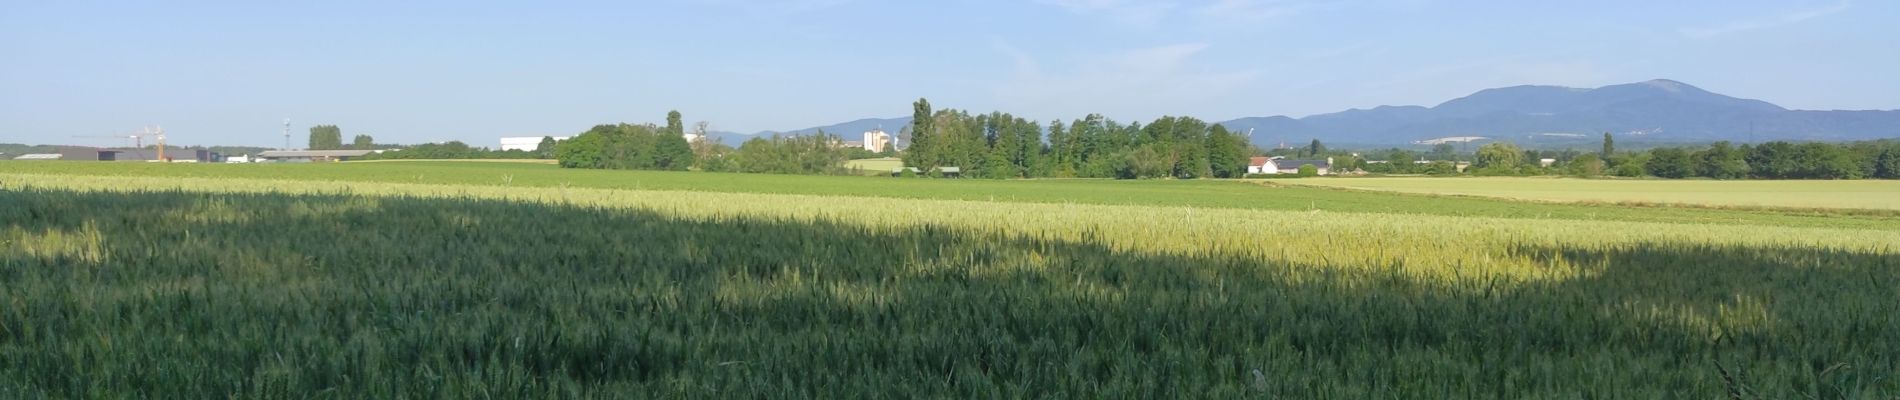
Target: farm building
312	155
172	155
75	153
43	156
1277	165
87	154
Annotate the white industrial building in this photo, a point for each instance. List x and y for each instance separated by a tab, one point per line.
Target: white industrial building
875	139
525	143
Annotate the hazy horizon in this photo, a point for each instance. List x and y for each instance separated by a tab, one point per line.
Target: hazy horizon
228	73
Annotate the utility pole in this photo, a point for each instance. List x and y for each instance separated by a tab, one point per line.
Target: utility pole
286	134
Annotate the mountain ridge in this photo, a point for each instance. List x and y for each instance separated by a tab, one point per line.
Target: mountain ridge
1658	110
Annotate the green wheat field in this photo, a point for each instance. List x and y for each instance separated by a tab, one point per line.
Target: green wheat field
499	280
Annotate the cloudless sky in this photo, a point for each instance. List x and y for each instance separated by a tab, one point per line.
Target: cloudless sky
229	72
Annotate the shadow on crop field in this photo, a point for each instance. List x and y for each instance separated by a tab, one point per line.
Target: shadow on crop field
176	294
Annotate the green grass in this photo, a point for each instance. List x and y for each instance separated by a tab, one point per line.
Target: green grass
1856	194
479	160
1169	193
876	166
182	287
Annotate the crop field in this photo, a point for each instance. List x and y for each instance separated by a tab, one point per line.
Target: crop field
1859	194
261	281
872	191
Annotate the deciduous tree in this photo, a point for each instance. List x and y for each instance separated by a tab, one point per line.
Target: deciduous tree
326	137
1586	165
1670	163
1887	164
1226	153
1498	155
545	149
1721	161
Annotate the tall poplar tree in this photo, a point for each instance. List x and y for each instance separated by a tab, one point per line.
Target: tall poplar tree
923	150
1609	146
673	125
670	149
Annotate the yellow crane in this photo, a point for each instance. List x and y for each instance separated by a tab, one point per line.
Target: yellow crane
160	135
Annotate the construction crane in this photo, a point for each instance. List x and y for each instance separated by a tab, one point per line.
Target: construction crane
138	140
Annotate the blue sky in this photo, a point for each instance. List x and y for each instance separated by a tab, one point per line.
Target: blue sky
217	72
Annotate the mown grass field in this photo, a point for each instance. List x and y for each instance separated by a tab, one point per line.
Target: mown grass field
504	161
875	166
1858	194
1275	195
197	284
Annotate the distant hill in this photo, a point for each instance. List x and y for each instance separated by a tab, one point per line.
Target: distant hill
1658	110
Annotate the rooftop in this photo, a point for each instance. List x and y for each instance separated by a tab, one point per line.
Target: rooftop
1295	164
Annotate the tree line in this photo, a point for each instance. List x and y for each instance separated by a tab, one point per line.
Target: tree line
652	147
1003	146
1000	145
819	153
628	146
1772	160
1719	160
330	137
452	150
994	145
